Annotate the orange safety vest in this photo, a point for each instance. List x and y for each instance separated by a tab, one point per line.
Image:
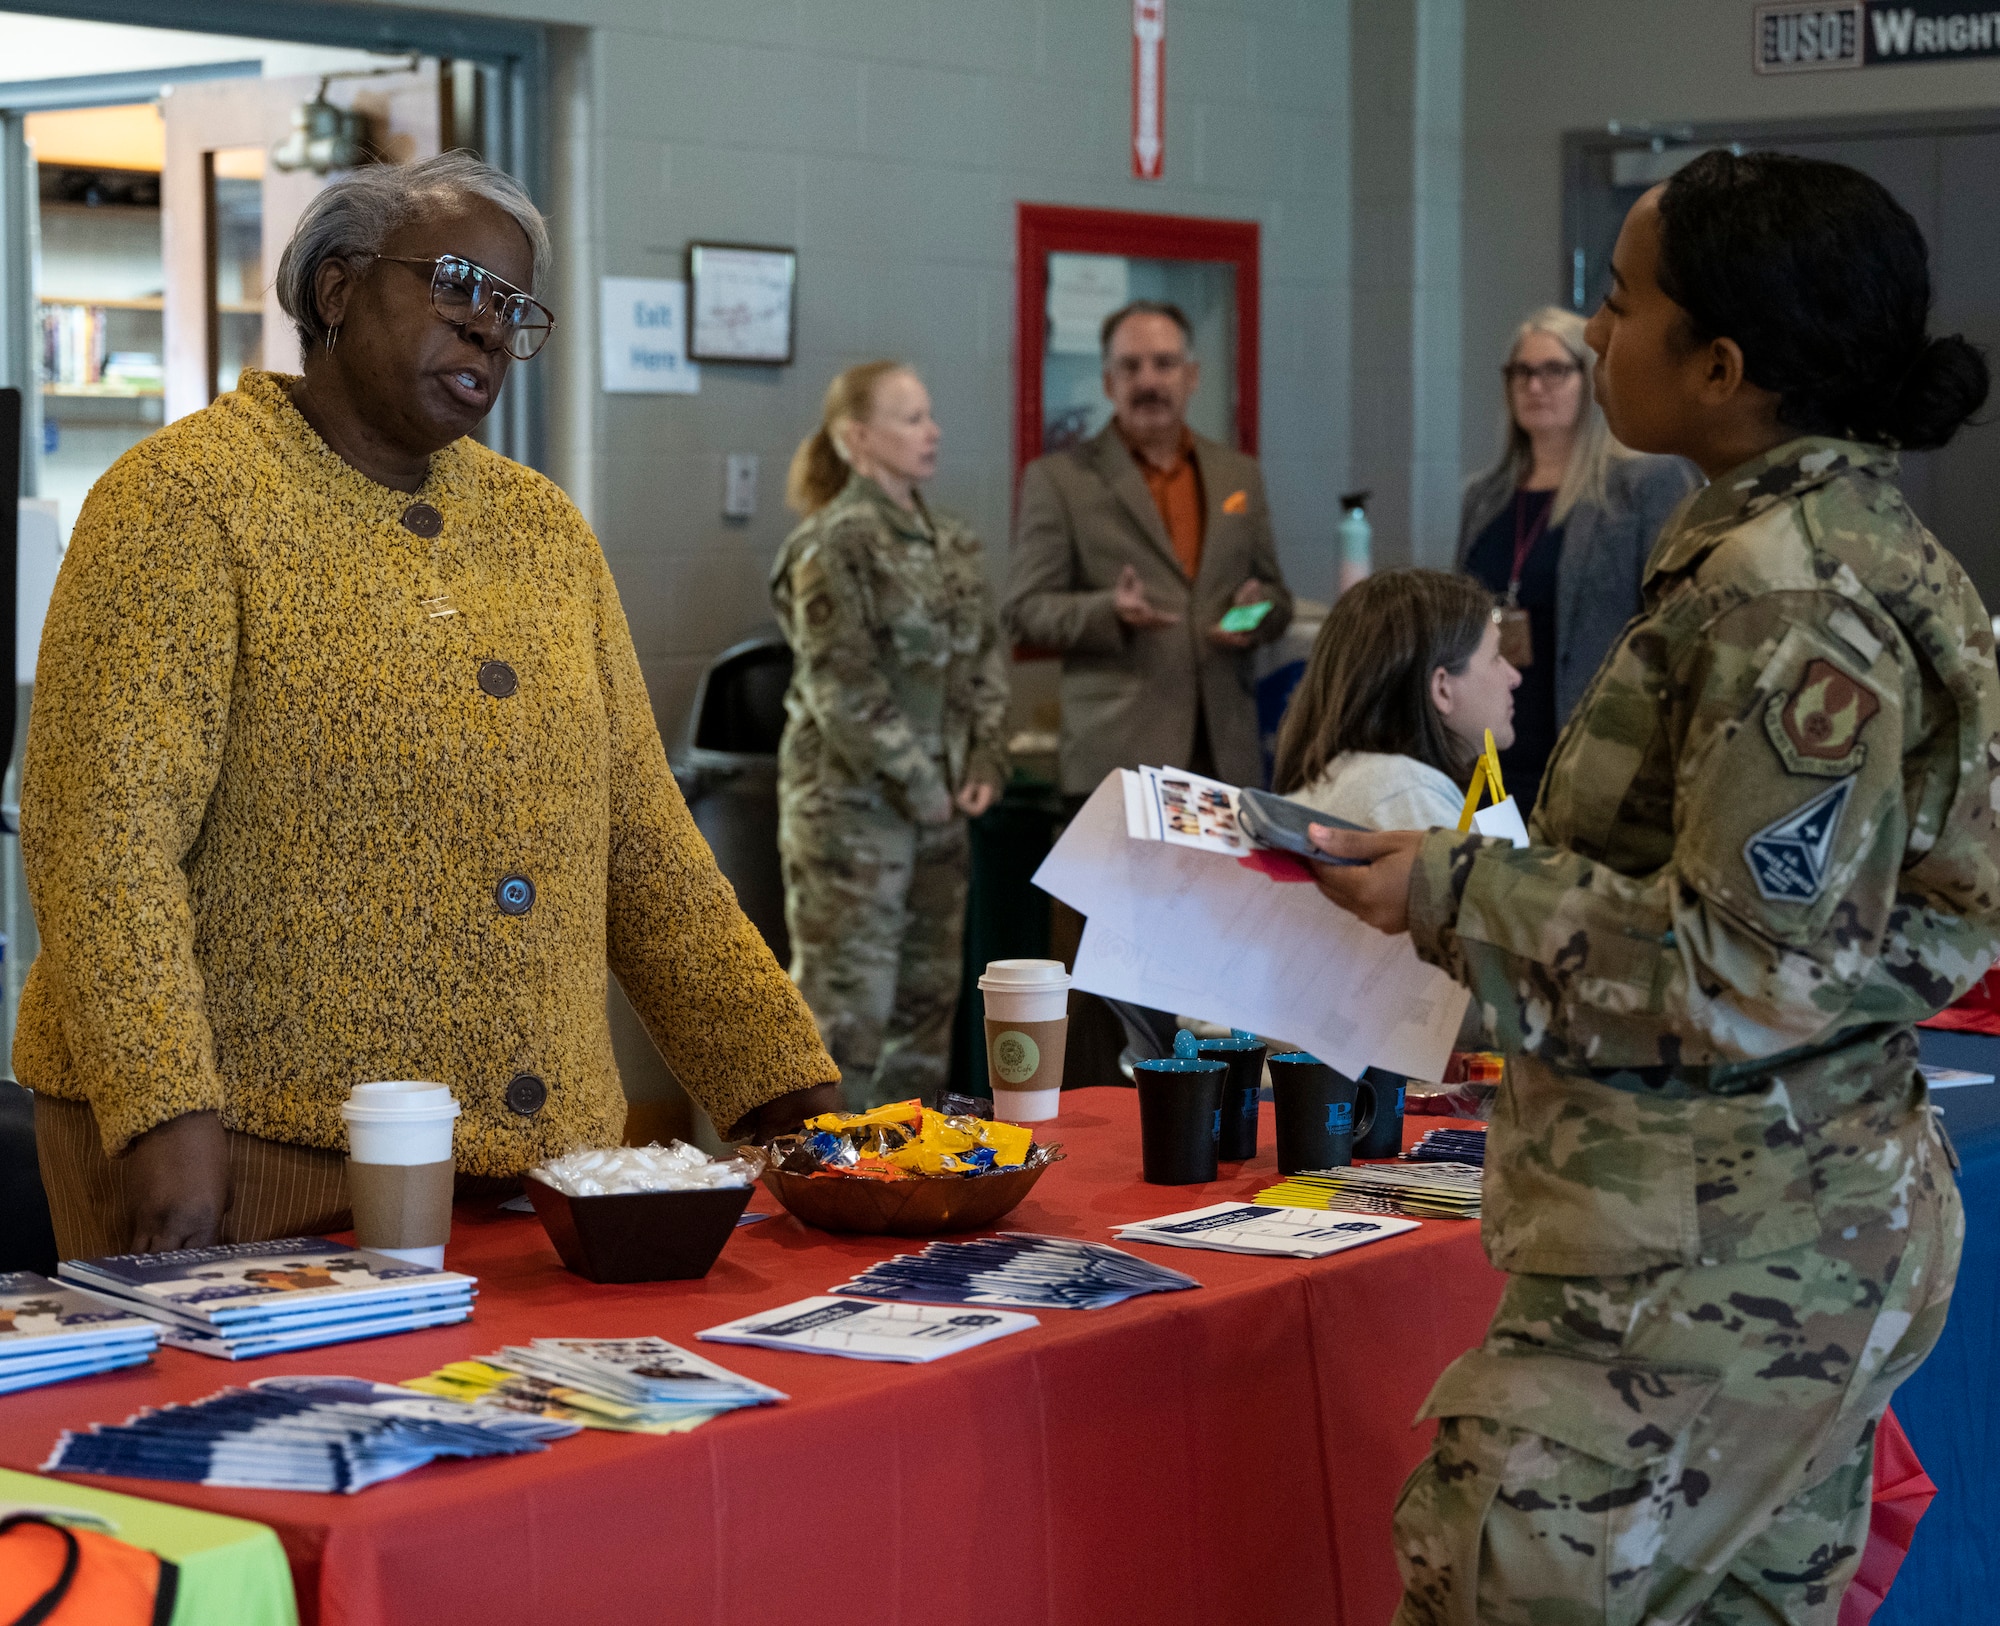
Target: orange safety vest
51	1575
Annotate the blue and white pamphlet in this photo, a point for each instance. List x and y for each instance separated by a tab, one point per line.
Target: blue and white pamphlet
860	1331
1265	1228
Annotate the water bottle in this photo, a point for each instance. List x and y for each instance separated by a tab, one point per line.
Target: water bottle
1355	538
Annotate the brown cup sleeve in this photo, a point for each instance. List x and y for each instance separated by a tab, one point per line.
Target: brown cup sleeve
1012	1046
401	1205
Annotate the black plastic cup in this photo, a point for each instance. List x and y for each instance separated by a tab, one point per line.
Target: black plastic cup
1241	1089
1315	1113
1378	1115
1180	1119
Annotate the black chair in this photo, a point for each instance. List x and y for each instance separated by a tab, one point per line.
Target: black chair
727	768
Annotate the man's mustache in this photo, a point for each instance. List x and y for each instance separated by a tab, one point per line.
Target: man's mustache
1150	398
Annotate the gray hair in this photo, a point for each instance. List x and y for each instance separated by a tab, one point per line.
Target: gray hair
1596	448
355	216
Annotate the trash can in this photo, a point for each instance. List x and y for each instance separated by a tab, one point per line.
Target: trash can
727	768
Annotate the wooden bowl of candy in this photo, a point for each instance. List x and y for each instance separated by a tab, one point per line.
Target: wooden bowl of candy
923	1205
903	1170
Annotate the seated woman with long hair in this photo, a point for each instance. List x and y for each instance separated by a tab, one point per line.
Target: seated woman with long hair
1405	679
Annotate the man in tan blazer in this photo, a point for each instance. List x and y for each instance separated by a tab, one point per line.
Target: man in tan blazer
1128	551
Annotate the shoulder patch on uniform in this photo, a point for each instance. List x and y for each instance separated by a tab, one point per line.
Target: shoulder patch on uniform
1789	859
1816	728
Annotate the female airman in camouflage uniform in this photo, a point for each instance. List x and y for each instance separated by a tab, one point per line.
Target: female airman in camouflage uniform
894	735
1765	846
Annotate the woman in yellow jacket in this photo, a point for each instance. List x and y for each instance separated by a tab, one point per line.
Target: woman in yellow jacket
342	768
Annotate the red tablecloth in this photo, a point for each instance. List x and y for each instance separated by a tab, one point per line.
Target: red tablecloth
1224	1455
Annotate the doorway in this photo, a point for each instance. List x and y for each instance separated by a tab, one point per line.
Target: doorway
1944	168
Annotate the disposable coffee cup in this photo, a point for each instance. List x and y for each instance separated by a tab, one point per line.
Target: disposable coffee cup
1180	1119
1027	1022
399	1168
1315	1113
1242	1088
1378	1115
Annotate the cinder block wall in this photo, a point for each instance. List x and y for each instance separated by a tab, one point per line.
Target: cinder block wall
888	140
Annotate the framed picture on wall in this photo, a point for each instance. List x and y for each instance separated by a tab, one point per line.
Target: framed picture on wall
742	302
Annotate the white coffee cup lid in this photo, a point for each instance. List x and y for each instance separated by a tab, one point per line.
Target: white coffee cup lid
1024	974
397	1098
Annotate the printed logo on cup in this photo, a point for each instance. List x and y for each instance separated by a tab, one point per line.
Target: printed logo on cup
1339	1117
1218	1123
1015	1057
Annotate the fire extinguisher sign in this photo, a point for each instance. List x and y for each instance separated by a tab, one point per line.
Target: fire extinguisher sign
1149	88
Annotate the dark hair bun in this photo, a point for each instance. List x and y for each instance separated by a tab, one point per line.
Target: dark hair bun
1823	281
1944	386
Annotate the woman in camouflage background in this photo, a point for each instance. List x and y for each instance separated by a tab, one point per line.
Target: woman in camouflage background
1765	846
894	734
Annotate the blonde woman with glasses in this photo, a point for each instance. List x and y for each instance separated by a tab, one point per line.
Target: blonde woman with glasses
1559	529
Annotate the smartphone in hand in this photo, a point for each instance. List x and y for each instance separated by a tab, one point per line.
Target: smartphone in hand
1274	821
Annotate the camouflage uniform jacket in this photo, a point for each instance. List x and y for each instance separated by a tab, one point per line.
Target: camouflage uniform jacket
1766	844
899	682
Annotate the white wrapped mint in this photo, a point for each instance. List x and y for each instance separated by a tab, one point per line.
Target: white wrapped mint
617	1170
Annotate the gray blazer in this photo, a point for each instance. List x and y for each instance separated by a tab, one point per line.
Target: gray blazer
1129	697
1604	550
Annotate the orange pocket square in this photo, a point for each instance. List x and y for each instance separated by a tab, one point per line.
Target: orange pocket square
1237	502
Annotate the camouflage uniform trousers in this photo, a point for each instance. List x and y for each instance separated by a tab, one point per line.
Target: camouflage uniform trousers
1690	1444
875	905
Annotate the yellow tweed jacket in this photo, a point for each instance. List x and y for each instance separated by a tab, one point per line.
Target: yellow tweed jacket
286	830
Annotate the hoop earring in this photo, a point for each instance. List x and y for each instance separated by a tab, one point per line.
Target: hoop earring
332	336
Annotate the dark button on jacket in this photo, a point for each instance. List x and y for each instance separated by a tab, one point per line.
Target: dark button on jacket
515	895
497	679
526	1093
422	520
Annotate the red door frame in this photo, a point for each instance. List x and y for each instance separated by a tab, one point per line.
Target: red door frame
1044	228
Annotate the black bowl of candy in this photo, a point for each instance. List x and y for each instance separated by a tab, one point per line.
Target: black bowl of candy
607	1232
904	1170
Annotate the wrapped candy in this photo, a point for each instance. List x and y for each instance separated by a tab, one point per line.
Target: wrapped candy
901	1141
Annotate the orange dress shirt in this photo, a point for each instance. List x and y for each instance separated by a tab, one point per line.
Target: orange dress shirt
1178	496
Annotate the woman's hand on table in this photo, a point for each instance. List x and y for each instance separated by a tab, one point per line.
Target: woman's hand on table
975	796
785	1114
177	1184
1376	887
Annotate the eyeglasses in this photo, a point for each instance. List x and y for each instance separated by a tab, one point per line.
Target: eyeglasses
463	293
1548	373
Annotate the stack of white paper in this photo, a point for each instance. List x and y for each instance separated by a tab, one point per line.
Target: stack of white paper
1181	925
860	1331
1291	1233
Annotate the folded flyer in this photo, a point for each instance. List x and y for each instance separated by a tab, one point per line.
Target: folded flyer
860	1331
50	1332
1424	1190
300	1433
292	1282
240	1344
1017	1268
642	1371
1294	1233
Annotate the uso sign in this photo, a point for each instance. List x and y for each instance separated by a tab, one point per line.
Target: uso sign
1868	34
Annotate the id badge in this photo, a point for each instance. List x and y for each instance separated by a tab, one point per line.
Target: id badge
1517	647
